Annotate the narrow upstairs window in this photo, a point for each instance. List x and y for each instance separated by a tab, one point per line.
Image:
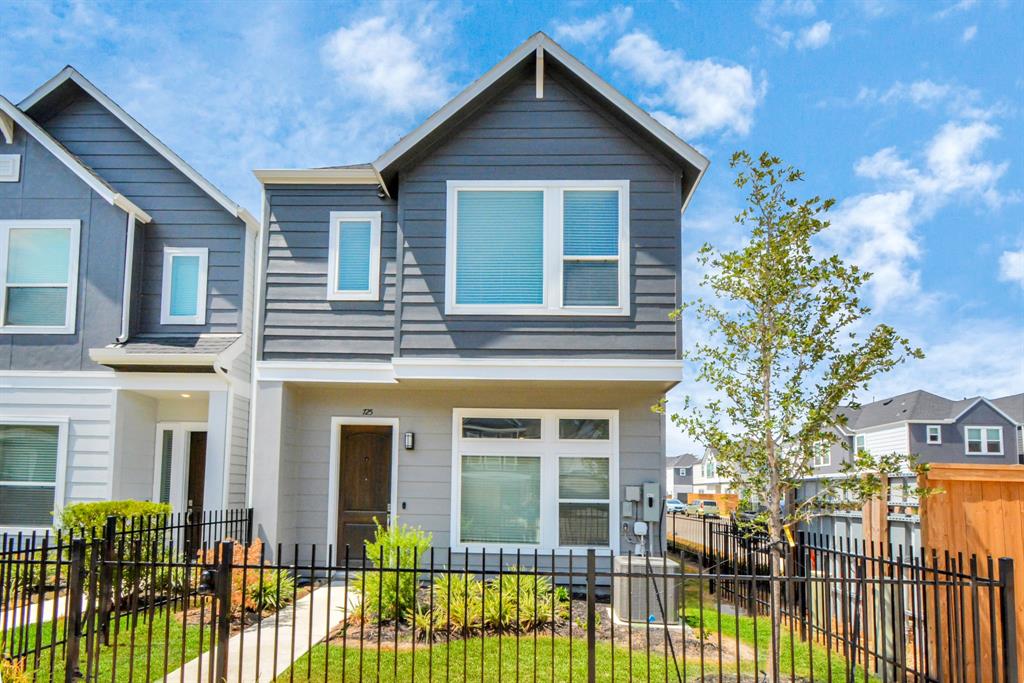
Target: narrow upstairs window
353	270
183	299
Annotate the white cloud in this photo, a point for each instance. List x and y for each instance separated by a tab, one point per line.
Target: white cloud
1011	267
877	231
595	28
814	36
693	97
926	94
955	8
770	15
388	63
969	33
964	357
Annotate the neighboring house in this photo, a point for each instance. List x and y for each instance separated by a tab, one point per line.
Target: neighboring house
467	334
125	312
706	477
679	475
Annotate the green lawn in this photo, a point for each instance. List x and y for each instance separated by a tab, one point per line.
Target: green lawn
122	661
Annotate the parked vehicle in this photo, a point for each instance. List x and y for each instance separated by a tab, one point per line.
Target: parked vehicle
674	505
704	507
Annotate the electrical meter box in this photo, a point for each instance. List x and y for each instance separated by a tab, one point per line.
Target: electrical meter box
651	502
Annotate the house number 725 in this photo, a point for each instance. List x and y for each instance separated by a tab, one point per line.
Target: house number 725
367	411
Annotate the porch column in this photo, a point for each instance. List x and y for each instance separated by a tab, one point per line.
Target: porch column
217	421
265	473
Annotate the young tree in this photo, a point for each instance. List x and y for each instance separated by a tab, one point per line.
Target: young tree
786	350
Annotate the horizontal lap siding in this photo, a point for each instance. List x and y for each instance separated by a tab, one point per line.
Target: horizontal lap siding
48	189
183	215
89	413
519	137
424	474
299	323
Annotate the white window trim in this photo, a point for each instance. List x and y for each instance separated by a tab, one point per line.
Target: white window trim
549	472
822	458
170	253
928	435
75	226
553	257
862	441
373	293
984	440
61	423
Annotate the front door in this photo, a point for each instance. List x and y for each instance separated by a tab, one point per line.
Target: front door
195	485
365	485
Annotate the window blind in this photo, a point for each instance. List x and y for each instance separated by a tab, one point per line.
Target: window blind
28	455
500	499
500	247
166	453
36	306
590	239
354	240
184	285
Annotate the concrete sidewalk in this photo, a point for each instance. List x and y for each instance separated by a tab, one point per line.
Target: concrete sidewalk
311	619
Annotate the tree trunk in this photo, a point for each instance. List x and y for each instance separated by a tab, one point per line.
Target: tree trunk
775	585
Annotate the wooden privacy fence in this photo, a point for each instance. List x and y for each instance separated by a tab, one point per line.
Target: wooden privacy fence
980	512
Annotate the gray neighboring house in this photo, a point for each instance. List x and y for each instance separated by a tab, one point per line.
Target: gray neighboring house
468	333
679	475
125	314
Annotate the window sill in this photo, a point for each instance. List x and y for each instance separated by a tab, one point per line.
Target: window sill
41	329
526	312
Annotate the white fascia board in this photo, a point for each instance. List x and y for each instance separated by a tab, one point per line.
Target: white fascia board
317	176
7	127
74	165
70	73
297	371
99	379
544	42
539	369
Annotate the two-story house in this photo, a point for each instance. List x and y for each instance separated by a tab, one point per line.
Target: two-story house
468	333
679	473
125	314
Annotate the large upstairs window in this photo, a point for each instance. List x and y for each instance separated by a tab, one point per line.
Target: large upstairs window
537	248
38	276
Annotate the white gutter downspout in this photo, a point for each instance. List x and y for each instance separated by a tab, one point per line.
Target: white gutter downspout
126	291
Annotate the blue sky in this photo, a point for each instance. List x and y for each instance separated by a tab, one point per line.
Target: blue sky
909	113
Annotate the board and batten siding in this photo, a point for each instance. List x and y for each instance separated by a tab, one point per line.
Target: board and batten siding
48	189
90	419
564	136
299	323
424	474
183	215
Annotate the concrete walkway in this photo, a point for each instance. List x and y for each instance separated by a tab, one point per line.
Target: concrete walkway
314	615
28	615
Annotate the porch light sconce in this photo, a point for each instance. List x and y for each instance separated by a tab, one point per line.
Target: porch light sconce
409	440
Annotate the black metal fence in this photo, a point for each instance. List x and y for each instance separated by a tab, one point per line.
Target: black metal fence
226	613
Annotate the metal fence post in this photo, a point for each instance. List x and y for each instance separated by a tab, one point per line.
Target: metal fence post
106	587
248	526
1007	607
73	621
592	616
223	601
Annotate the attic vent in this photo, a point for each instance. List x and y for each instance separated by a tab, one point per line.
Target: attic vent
10	168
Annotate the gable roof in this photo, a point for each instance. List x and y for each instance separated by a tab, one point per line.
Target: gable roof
70	74
684	460
542	47
76	165
1012	406
920	406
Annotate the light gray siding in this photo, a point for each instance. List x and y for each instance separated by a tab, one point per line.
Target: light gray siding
238	452
299	323
183	214
564	136
48	189
424	474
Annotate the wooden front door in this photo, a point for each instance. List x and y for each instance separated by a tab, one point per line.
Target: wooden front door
194	487
365	492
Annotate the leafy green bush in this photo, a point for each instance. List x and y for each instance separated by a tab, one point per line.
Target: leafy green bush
84	518
272	591
389	595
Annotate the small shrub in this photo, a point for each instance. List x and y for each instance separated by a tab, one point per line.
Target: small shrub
273	591
390	595
13	671
84	518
